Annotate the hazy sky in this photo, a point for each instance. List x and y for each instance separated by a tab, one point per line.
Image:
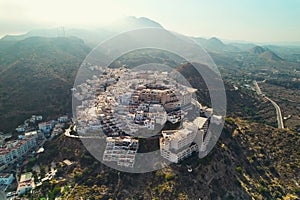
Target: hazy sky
250	20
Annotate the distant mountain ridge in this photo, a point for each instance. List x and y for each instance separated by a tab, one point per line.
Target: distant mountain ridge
214	44
92	37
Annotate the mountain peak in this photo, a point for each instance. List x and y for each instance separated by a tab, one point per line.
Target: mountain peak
215	39
265	53
257	50
143	21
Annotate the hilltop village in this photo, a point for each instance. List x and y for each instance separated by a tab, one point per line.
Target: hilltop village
123	105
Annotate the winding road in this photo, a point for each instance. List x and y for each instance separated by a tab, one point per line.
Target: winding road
278	110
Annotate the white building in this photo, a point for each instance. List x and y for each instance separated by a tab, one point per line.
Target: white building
125	99
36	118
63	119
157	112
175	145
15	149
20	129
31	134
187	95
121	150
202	125
149	124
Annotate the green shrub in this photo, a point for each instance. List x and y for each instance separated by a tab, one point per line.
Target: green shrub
169	176
239	169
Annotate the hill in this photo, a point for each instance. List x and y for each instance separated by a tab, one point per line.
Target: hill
257	50
249	162
215	45
36	75
133	22
265	53
269	55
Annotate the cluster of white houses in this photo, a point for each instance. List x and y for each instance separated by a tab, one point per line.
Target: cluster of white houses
129	97
125	104
29	138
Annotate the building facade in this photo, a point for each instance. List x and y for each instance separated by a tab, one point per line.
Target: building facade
16	149
121	150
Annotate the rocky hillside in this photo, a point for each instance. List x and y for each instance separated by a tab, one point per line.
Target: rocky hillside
36	75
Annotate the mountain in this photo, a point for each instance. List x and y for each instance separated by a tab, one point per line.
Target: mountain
215	45
92	37
133	22
265	53
216	42
257	50
288	53
242	45
52	32
36	75
270	55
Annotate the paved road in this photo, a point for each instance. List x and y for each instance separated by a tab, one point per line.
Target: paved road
278	110
258	90
68	131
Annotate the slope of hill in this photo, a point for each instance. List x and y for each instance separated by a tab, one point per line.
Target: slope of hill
257	50
250	161
265	53
132	22
36	75
291	54
269	55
